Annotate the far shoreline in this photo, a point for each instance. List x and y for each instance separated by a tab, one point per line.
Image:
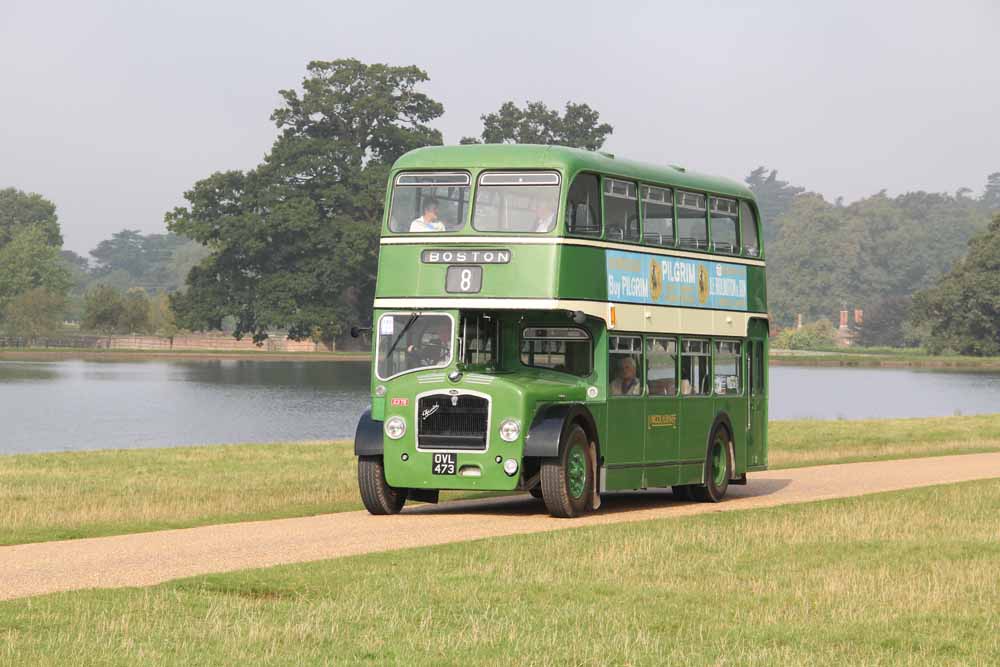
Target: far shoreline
68	354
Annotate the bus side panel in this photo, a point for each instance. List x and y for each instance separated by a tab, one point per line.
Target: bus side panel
756	290
759	385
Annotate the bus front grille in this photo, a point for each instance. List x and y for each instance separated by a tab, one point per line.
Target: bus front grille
452	422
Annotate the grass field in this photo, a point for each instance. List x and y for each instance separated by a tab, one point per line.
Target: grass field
902	578
87	494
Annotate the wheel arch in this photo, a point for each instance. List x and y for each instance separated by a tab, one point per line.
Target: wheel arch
369	440
549	425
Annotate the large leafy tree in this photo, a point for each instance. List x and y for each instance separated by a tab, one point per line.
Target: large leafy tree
578	126
28	261
20	210
963	309
991	195
34	313
774	197
294	241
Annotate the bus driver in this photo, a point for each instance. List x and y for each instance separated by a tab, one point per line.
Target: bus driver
428	221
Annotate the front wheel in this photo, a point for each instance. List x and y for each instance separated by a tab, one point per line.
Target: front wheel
717	469
567	481
379	498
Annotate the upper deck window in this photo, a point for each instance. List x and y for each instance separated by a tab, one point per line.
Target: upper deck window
524	202
748	223
583	206
692	225
429	202
657	215
725	220
621	210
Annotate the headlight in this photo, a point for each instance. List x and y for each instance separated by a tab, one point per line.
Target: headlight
510	430
395	427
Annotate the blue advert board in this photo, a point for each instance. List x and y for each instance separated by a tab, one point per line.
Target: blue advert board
635	277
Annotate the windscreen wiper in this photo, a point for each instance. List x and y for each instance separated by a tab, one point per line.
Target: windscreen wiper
402	332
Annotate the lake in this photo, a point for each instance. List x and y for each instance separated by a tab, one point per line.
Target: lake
79	405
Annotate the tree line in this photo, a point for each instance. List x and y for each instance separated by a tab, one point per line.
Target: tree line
122	288
292	244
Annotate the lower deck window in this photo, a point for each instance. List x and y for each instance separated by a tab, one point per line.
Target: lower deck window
727	368
625	365
563	349
479	340
696	358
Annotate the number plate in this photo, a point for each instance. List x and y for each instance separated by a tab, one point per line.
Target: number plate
443	464
464	279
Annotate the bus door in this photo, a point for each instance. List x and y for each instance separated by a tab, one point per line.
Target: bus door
696	407
661	453
626	413
757	395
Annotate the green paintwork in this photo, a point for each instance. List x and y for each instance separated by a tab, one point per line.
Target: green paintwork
632	451
576	471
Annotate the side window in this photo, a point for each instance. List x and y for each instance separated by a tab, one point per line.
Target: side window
661	358
621	210
657	215
563	349
748	222
695	368
725	223
625	365
583	206
692	223
479	338
727	368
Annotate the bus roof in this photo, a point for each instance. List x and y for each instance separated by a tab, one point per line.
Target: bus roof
567	160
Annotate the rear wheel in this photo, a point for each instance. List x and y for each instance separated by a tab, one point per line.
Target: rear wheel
378	497
718	468
567	481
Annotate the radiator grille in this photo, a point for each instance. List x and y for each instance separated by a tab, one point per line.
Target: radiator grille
452	422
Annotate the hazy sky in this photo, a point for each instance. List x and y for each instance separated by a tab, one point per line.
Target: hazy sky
113	109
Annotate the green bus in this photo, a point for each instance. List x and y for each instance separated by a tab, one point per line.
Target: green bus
566	323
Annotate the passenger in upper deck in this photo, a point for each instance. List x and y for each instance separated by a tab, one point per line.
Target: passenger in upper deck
545	214
428	222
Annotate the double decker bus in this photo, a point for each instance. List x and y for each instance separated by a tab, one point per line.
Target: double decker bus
566	323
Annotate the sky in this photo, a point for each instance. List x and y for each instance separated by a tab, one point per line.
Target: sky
113	110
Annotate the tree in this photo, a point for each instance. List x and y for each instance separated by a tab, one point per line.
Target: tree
103	309
34	313
817	335
28	261
963	308
294	241
161	317
991	196
135	315
20	210
774	198
579	126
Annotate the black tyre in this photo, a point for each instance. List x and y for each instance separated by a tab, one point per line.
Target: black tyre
568	481
682	492
379	498
536	492
718	468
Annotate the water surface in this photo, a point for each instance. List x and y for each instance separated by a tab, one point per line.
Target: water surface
78	405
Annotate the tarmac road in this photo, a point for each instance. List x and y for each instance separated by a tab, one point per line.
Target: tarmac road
149	558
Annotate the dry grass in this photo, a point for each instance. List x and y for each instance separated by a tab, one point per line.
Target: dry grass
87	494
813	442
903	578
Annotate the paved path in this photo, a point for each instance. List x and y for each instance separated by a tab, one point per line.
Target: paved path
149	558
